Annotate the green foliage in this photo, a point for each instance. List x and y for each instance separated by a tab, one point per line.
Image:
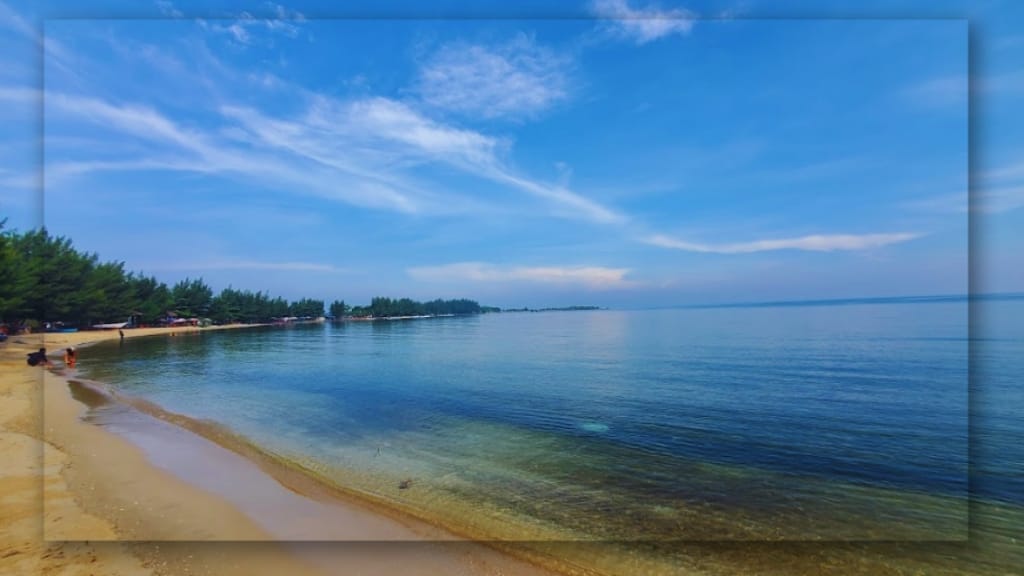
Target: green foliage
55	275
44	279
109	293
13	279
153	298
191	298
246	306
307	308
338	308
382	307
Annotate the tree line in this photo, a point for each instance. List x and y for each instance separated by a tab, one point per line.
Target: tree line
383	307
43	278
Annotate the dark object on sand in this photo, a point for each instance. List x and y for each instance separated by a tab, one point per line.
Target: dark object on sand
38	358
405	484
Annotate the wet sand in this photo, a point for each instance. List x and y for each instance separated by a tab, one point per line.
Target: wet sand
76	498
74	494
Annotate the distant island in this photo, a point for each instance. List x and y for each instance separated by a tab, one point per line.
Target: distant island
383	307
559	309
405	308
401	308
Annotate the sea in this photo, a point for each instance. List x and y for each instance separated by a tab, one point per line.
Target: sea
850	424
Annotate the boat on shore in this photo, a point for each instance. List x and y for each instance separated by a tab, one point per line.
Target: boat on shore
113	326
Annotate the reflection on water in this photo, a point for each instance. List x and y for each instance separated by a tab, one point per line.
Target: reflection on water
826	423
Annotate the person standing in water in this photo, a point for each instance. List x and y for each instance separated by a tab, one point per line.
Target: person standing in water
70	357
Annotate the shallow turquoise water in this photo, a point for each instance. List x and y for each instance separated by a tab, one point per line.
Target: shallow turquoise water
818	422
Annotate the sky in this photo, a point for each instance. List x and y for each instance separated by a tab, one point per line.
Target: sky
616	153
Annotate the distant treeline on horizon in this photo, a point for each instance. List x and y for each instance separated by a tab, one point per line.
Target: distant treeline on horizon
558	309
43	278
383	307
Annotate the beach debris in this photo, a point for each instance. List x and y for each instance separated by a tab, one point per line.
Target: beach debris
404	484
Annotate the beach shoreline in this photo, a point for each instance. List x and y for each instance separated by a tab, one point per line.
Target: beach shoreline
76	494
55	506
103	497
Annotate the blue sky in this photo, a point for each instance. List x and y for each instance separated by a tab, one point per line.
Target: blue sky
619	154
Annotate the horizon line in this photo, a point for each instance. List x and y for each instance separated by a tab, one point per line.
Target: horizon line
923	299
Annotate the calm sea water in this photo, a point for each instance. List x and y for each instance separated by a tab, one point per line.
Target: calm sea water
851	422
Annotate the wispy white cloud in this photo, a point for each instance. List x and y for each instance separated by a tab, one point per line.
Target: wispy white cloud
181	148
239	33
1000	199
279	20
371	152
379	137
988	200
167	8
952	203
24	180
11	20
1007	172
737	10
55	53
139	121
18	95
1000	190
954	90
361	152
1011	82
813	243
642	25
593	277
518	78
283	20
996	190
57	172
390	121
939	92
571	204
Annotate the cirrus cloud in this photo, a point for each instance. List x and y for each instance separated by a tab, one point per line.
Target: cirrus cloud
519	78
642	25
813	243
595	277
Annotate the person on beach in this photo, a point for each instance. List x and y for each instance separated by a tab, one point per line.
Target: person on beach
38	358
70	357
121	334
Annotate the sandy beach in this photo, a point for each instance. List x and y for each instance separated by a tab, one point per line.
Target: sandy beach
77	499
